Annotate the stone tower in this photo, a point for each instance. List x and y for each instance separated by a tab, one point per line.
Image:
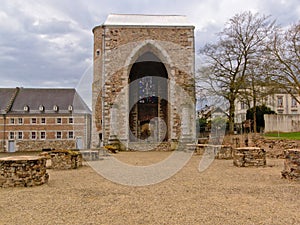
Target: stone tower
143	84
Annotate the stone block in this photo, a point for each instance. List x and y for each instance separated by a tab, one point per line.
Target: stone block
249	156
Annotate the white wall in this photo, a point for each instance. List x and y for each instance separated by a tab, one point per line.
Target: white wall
282	123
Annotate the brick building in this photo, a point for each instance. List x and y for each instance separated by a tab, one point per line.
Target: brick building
36	119
143	87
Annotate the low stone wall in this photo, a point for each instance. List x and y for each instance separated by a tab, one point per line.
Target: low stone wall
90	155
23	171
274	148
163	146
220	151
64	159
224	152
249	156
291	164
35	145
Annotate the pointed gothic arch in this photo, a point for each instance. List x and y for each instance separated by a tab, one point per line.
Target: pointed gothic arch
148	97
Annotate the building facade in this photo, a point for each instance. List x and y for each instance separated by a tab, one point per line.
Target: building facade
36	119
280	103
143	87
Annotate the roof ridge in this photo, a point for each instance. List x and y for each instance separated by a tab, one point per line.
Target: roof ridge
136	14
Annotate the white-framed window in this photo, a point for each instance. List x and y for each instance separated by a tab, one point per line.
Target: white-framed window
33	120
58	135
70	134
71	120
11	135
20	120
294	103
43	120
58	120
20	135
280	101
33	135
12	120
43	135
243	105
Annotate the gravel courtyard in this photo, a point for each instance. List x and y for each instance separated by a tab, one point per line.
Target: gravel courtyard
222	194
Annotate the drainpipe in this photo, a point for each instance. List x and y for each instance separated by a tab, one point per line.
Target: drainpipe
103	85
4	130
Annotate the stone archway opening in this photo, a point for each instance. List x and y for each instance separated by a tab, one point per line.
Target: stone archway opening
148	99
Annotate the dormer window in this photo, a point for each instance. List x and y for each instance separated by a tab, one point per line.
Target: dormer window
26	108
55	108
70	108
41	108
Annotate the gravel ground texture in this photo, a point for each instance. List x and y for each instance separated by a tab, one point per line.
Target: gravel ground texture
222	194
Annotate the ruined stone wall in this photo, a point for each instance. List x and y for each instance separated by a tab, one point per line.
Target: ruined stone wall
23	171
291	168
249	156
122	46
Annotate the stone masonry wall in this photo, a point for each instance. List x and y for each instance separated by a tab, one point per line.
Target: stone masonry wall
123	45
33	145
23	171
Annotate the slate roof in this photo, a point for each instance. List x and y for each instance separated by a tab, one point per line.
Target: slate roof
146	20
33	98
6	95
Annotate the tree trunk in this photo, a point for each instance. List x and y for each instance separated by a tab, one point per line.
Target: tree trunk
254	119
254	114
231	117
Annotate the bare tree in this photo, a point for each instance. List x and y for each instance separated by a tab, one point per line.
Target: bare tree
285	60
227	62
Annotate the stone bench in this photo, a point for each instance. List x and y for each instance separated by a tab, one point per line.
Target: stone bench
291	168
249	156
23	171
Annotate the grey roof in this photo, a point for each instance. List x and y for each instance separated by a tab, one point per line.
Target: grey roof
48	98
6	95
146	20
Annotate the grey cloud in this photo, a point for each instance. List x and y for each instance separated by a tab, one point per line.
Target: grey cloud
52	27
29	55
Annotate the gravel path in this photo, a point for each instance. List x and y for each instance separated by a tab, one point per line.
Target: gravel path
222	194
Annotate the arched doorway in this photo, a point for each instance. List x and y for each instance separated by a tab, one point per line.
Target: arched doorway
148	99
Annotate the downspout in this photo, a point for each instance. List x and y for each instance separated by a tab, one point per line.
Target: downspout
103	85
4	131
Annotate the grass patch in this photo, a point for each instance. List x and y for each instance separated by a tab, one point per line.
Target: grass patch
286	136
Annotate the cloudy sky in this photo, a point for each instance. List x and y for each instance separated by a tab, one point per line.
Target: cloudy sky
48	43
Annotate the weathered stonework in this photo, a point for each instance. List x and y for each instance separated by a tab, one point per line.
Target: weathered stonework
219	151
249	156
31	145
90	155
23	171
116	49
291	164
64	159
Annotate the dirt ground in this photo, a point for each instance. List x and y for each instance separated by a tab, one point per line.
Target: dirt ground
222	194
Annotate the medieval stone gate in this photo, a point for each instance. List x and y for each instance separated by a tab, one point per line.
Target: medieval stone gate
143	87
